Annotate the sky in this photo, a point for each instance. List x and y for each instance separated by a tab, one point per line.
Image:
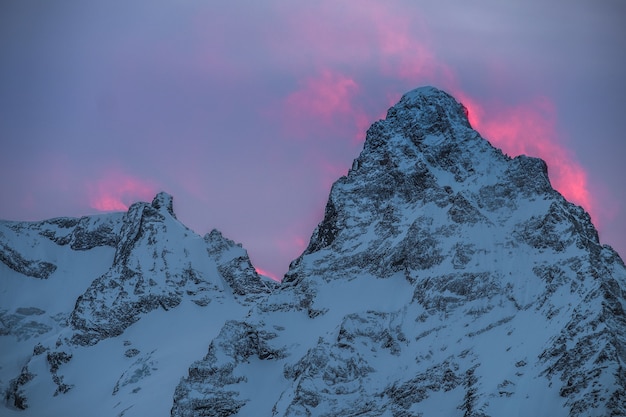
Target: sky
247	111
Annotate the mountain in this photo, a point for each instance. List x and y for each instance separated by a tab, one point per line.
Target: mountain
445	278
102	315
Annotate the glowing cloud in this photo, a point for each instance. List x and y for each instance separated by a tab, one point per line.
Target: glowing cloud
529	129
323	97
383	41
116	191
293	242
262	271
404	52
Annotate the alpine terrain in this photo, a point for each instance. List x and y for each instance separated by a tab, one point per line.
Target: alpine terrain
445	279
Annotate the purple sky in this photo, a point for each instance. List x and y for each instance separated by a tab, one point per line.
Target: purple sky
247	111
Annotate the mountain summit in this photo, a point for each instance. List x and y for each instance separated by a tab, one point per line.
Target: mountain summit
445	278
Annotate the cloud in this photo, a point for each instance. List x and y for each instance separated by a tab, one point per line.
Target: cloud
384	45
530	129
116	191
266	273
324	97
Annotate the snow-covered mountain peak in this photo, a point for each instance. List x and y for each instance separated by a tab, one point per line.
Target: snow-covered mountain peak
423	172
235	266
164	201
436	239
428	104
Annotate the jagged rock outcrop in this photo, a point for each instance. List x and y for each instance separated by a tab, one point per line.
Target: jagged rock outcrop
32	268
234	265
210	389
148	273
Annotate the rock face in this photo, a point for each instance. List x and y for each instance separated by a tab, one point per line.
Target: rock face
234	265
444	279
148	273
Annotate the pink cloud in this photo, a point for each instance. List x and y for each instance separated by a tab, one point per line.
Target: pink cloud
380	35
262	271
314	40
322	98
404	51
116	191
530	129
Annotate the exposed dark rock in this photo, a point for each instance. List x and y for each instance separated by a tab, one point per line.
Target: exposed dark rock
19	263
131	352
235	267
14	394
92	232
55	360
210	387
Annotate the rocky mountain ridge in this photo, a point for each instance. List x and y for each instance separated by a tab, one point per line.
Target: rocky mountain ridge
148	262
445	278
